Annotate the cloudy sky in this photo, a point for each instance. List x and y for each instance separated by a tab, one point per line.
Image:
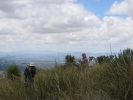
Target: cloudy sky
66	25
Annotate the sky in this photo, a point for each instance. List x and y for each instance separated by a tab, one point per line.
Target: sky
96	26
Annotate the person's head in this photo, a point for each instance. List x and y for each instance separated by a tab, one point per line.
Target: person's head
31	64
28	65
83	55
91	57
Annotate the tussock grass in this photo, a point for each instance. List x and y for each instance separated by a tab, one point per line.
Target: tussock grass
107	81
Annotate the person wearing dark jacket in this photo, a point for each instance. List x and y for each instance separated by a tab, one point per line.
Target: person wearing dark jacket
29	73
33	71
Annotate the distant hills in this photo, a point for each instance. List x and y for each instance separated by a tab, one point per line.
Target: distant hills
42	55
46	58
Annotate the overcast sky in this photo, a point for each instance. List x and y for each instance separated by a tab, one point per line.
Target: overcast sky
66	25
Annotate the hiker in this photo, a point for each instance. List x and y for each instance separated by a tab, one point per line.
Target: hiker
92	61
29	73
84	60
33	70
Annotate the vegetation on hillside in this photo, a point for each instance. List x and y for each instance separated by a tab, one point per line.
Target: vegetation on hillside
69	60
111	79
13	70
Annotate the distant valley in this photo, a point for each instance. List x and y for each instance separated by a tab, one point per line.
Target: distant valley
44	59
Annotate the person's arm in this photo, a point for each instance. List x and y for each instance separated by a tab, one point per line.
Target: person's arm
84	61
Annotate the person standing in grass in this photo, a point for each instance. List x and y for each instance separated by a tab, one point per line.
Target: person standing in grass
33	71
29	73
92	61
84	60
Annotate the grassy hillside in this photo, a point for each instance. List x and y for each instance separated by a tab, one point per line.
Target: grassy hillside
112	80
70	83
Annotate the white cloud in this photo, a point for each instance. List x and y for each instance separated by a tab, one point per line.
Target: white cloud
124	7
34	25
117	30
118	8
53	18
62	26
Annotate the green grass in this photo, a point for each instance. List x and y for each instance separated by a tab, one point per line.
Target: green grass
107	81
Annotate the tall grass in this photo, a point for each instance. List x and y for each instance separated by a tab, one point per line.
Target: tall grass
107	81
69	83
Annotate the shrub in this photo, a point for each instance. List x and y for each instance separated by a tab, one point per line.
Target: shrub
105	59
69	59
13	70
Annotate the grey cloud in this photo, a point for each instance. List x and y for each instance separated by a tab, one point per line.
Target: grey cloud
8	10
3	38
6	32
10	7
52	30
36	1
6	7
51	1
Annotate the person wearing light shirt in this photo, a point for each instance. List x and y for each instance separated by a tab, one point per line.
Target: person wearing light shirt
92	61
